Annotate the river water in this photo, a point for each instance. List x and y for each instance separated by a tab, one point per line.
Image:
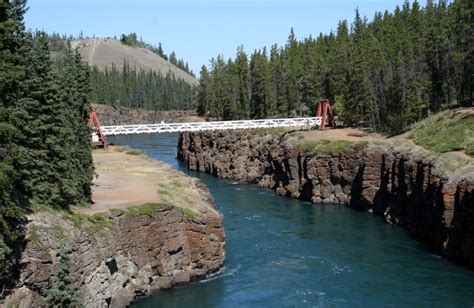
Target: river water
288	253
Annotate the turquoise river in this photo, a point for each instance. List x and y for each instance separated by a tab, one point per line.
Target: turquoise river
288	253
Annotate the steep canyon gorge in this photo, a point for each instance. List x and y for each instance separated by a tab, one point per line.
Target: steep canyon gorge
405	188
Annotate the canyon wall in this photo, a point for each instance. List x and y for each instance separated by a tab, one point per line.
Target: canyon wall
404	188
110	115
121	255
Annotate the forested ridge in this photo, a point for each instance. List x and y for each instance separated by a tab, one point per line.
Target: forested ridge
389	72
45	154
133	87
58	43
132	40
136	88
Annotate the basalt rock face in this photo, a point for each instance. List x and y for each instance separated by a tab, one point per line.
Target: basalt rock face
110	115
405	190
134	256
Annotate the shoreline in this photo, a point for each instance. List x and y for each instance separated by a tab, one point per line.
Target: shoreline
167	232
395	182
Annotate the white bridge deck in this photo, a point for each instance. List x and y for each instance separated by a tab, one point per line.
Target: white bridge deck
203	126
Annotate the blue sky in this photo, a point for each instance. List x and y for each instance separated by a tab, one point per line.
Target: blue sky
202	29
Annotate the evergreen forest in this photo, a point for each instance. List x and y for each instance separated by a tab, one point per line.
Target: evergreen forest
132	87
58	43
136	88
45	154
387	73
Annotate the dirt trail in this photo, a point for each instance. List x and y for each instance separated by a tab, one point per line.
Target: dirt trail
91	54
350	134
126	178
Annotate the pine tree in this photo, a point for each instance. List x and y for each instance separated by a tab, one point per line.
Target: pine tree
160	50
173	58
359	95
62	293
388	73
204	92
461	13
292	71
339	70
44	141
74	82
132	87
12	199
39	117
277	90
260	104
243	83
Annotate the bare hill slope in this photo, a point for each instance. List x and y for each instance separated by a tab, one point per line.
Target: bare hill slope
104	52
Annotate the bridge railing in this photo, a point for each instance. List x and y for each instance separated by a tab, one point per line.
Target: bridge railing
206	126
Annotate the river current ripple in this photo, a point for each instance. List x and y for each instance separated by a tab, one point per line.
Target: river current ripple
288	253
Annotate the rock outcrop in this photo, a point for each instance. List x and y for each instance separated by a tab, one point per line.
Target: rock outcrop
120	255
110	115
406	189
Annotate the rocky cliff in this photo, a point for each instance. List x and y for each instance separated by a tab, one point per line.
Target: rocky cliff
118	250
118	257
405	188
110	115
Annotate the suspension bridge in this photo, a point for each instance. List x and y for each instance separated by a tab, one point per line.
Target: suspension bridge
99	133
205	126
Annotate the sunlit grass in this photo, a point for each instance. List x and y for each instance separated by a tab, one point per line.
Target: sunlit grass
446	132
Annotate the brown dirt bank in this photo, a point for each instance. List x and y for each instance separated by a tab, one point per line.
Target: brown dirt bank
150	228
127	177
392	178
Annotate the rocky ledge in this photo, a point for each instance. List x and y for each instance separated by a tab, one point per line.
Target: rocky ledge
119	254
112	115
404	187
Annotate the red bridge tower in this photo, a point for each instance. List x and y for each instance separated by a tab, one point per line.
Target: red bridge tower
98	137
324	111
